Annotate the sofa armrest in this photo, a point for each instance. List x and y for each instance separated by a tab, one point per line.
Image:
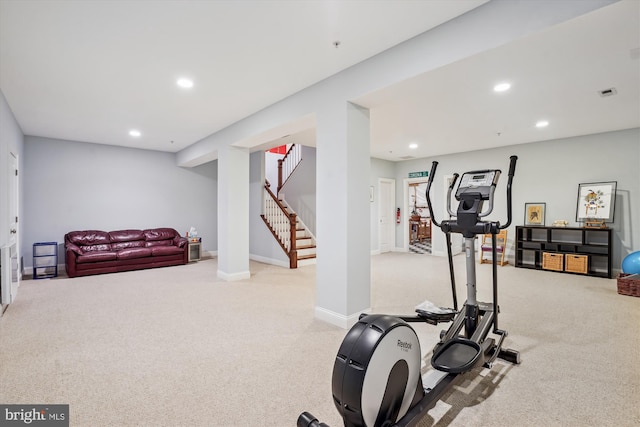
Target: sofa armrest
72	252
73	248
180	241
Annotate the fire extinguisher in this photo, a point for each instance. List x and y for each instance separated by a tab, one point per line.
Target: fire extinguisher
398	216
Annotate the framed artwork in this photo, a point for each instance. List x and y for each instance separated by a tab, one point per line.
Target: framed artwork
596	201
534	213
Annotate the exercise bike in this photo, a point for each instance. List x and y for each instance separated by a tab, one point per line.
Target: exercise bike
377	380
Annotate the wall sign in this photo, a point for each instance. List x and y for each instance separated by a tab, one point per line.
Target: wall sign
418	174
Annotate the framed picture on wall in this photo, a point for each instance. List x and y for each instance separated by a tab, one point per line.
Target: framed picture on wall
534	213
596	201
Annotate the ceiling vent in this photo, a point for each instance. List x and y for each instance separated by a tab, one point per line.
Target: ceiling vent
608	92
406	157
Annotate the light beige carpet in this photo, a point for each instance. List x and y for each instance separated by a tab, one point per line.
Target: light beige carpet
176	347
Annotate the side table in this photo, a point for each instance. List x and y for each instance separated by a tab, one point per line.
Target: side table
195	250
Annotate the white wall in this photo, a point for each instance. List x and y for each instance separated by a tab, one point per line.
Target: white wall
11	141
78	186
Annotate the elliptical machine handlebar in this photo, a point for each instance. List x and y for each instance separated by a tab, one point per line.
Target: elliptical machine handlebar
512	171
434	166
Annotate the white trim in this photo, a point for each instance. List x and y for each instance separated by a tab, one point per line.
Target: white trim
271	261
376	251
340	320
232	277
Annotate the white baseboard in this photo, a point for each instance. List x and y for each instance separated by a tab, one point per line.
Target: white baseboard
270	261
232	277
375	252
340	320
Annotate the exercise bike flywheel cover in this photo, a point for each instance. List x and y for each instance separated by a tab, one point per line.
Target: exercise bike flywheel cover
376	374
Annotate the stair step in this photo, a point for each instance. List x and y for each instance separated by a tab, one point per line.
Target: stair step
301	257
305	246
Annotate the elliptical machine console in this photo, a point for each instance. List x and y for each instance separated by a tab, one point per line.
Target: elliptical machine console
377	379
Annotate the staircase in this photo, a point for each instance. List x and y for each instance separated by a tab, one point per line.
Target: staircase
286	227
294	237
305	240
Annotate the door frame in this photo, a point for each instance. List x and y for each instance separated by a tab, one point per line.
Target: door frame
406	206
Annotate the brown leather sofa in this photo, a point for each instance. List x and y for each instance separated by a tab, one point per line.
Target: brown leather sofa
96	252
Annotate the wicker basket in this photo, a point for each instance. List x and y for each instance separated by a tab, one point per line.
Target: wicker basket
576	263
552	261
629	284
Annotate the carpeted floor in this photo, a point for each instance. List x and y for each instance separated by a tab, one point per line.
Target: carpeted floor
176	347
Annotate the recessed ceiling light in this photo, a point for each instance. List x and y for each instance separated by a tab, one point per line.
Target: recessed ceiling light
502	87
185	83
542	124
413	146
135	133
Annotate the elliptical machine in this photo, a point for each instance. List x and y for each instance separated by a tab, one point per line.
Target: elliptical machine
377	379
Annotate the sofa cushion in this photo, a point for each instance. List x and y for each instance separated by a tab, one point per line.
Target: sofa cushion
131	253
94	248
89	237
166	250
96	256
160	234
117	246
126	235
159	243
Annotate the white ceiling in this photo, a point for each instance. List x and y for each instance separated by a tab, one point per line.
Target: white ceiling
91	71
555	75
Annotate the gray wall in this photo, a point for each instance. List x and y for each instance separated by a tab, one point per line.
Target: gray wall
262	245
78	186
550	172
300	190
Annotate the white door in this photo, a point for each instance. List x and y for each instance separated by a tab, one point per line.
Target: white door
9	254
386	214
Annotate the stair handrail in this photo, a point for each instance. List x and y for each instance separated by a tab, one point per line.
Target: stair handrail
285	237
288	164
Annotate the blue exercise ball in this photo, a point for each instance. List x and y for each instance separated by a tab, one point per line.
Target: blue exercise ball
631	263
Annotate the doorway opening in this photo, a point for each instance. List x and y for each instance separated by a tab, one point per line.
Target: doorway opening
419	230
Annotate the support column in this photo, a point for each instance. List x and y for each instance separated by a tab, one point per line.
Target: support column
343	214
233	213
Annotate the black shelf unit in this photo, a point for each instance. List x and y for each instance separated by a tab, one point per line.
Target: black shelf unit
45	260
591	245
